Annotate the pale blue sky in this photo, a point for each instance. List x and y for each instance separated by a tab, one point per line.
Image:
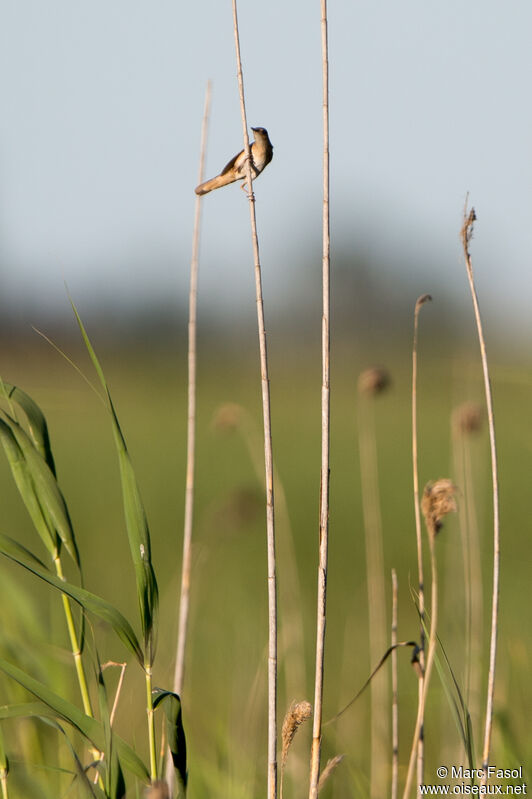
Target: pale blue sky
99	136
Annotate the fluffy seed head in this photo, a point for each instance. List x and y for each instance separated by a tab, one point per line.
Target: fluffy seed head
438	500
298	712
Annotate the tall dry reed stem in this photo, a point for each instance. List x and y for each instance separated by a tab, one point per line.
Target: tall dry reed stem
395	706
419	541
268	449
466	235
325	433
184	597
371	383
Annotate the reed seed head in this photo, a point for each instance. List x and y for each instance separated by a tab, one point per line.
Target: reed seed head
467	229
374	381
297	713
468	418
438	500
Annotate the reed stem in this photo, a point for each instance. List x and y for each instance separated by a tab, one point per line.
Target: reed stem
325	428
268	448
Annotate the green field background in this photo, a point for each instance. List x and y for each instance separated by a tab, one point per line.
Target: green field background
224	701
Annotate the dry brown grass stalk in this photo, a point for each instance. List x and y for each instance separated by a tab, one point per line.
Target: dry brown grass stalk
325	425
466	235
268	449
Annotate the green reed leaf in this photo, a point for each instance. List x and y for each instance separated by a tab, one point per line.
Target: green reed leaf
88	601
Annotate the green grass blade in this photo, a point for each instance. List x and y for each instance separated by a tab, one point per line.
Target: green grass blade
88	790
87	726
88	601
53	706
175	732
136	522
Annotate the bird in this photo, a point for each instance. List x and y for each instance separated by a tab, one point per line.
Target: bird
261	155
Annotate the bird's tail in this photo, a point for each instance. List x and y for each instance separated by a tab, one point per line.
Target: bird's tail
215	183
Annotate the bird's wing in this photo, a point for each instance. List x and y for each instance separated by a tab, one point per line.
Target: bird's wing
231	163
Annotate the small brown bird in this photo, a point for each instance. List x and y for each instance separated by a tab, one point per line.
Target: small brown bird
261	155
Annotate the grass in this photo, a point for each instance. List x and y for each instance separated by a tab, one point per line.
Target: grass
224	714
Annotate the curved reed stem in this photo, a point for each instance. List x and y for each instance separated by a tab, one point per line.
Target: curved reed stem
466	235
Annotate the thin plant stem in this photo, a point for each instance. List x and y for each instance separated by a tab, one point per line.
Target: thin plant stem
268	448
151	722
325	428
74	643
376	590
419	540
3	780
466	234
395	707
429	662
184	597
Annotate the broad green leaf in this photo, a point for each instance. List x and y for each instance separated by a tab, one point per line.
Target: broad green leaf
136	522
175	732
46	488
88	601
24	483
36	422
53	706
